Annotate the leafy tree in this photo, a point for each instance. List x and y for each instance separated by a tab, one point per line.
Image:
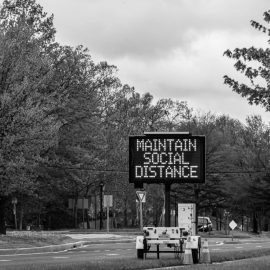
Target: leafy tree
254	64
83	148
254	159
28	125
173	114
131	114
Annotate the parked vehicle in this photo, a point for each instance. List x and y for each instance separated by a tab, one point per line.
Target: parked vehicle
204	224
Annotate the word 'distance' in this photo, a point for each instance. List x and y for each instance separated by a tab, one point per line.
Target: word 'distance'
167	158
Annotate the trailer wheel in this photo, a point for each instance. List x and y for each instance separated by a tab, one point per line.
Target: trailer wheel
140	253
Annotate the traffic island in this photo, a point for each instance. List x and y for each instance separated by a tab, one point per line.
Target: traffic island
44	249
21	242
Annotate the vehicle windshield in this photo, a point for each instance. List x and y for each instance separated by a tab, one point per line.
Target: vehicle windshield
203	221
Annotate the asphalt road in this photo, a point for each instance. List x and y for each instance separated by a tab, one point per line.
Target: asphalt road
109	251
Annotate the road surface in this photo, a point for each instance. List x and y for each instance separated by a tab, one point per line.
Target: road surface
109	251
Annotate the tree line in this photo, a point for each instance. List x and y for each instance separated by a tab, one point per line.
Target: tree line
65	122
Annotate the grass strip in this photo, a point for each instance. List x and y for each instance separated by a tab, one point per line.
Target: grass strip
22	239
261	263
134	263
232	255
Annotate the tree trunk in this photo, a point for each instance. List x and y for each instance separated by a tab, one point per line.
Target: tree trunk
220	220
259	222
255	222
87	219
125	214
50	222
21	218
125	218
3	202
114	220
132	222
266	224
217	214
75	213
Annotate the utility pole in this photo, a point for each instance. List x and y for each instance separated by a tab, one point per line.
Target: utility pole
141	216
101	185
167	205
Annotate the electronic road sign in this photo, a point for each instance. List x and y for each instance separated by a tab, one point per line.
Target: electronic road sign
167	158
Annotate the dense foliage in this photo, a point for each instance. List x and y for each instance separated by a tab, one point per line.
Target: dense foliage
65	122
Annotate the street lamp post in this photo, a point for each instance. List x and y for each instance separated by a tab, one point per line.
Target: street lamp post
101	185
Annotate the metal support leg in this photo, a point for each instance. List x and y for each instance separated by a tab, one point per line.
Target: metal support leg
167	205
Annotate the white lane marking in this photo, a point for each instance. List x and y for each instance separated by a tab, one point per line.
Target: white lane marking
37	253
215	249
216	244
258	246
113	254
63	257
129	249
5	260
83	251
50	246
238	247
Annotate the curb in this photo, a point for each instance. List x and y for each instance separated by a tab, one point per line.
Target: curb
59	248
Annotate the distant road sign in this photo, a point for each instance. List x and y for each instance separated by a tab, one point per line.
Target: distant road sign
166	158
232	225
108	200
141	195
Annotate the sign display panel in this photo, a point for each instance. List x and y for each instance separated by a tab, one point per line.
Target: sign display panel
108	200
167	158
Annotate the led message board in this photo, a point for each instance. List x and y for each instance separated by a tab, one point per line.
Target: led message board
167	158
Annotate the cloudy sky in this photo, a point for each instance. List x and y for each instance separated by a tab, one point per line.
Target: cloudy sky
170	48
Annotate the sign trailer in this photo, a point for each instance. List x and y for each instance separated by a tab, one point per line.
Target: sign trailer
165	158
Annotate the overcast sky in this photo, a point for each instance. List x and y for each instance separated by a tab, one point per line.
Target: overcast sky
170	48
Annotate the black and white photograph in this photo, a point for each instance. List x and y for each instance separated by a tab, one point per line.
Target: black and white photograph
134	134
